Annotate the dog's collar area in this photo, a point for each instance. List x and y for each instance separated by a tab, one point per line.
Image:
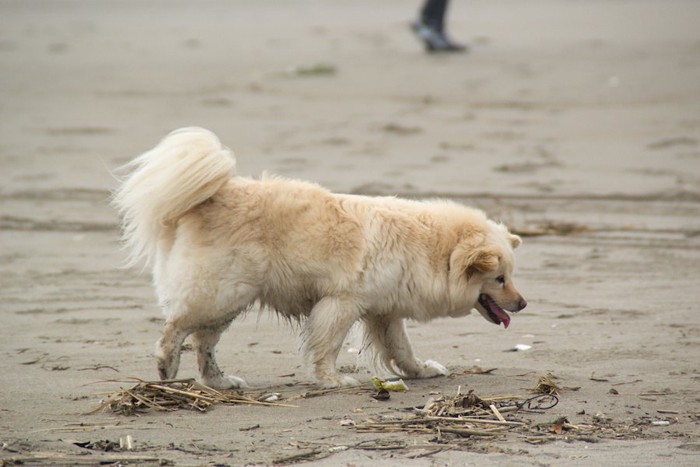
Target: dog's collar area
496	314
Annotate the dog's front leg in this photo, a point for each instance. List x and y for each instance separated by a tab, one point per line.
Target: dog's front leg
324	332
387	336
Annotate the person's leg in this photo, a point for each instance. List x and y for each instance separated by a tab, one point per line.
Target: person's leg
433	13
430	27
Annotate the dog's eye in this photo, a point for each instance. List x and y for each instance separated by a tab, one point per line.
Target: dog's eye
501	280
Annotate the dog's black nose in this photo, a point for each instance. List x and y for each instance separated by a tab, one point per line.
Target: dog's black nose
522	304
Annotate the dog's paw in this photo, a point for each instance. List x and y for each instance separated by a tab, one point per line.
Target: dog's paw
225	382
338	381
236	382
431	369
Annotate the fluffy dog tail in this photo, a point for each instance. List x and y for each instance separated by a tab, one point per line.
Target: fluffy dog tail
185	169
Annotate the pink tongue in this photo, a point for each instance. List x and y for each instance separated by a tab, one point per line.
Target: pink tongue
505	319
500	314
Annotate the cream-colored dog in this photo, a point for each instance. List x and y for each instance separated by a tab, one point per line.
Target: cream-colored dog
219	243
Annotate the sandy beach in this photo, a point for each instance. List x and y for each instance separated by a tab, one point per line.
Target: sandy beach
575	123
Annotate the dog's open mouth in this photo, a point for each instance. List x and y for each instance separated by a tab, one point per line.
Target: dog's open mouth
494	313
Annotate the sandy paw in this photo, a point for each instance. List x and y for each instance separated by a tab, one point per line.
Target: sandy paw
431	369
339	382
226	382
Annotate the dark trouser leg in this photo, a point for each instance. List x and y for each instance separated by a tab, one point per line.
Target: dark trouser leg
433	13
430	27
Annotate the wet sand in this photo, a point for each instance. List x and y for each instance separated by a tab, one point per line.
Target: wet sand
576	123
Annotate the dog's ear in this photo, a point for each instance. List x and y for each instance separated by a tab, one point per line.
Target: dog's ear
473	256
470	261
482	261
515	241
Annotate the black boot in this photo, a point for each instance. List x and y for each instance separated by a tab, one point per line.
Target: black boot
430	28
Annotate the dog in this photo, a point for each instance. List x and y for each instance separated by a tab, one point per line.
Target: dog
219	243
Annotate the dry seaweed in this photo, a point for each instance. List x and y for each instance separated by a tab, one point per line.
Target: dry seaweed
188	394
546	385
549	227
463	418
477	370
462	415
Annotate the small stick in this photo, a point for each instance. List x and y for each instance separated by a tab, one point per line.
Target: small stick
501	398
475	420
306	455
184	393
459	431
495	411
269	404
511	408
146	402
426	453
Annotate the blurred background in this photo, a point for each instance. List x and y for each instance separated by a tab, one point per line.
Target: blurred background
555	96
576	122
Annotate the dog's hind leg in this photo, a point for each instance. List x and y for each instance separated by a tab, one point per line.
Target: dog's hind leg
205	320
205	341
387	337
324	333
168	350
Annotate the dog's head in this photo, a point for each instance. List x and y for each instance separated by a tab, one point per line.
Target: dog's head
483	266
